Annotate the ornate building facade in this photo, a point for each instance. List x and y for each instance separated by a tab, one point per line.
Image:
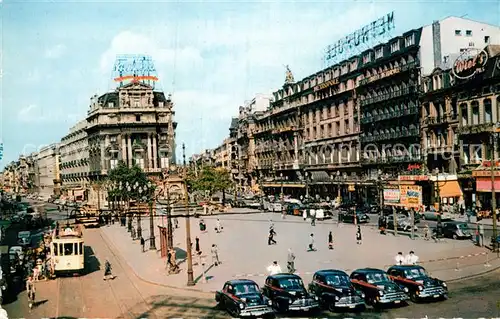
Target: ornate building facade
48	176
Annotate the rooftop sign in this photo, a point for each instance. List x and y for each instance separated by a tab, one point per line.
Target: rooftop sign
346	47
469	63
134	68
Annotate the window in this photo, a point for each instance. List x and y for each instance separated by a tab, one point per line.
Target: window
471	44
409	40
468	33
346	127
379	53
164	161
465	114
466	153
367	58
394	46
68	249
137	118
487	111
487	39
458	32
113	139
475	112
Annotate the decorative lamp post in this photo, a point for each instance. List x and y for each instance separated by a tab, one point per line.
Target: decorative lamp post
190	281
149	190
139	226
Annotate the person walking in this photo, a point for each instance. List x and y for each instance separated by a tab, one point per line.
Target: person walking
313	217
30	290
382	224
291	261
143	244
330	240
274	268
311	243
400	259
197	246
215	255
270	239
481	235
427	232
358	235
218	227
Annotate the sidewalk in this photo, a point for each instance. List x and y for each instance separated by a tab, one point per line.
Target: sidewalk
244	251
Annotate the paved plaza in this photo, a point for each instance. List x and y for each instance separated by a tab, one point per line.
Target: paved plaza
244	251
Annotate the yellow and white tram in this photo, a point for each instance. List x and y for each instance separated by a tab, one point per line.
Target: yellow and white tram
67	250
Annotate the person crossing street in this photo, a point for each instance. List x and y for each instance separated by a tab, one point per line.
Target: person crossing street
30	290
291	261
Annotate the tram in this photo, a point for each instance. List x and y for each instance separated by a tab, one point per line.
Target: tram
67	250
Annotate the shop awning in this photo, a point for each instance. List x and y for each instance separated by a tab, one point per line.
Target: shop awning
449	189
284	185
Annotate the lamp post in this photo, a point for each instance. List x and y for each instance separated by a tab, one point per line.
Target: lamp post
438	190
140	189
494	140
381	193
307	185
190	281
152	244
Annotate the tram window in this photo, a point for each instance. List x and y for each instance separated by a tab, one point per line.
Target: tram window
76	249
61	251
56	251
68	249
80	251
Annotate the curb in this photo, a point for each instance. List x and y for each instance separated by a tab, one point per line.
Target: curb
115	251
479	274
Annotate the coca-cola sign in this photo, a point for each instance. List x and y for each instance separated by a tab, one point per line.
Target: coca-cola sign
469	63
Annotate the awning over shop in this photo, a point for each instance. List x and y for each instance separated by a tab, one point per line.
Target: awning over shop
449	189
320	176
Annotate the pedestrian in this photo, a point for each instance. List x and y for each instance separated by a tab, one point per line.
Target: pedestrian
218	227
215	255
311	243
330	240
197	246
382	224
274	268
291	261
411	258
481	235
358	235
30	289
270	239
400	259
313	217
427	232
143	243
304	214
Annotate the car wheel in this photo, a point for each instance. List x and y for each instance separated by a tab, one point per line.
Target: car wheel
234	311
422	217
331	305
455	236
414	297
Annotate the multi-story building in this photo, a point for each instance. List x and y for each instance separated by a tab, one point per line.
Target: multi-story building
74	162
133	124
48	179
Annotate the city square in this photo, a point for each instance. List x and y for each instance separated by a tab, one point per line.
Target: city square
203	163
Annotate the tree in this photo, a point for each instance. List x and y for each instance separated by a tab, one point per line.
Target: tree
210	180
124	175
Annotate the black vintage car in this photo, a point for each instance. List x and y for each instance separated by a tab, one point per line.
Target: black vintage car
242	297
288	293
335	291
418	282
378	287
347	216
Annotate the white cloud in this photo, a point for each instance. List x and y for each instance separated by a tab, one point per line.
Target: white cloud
55	52
33	113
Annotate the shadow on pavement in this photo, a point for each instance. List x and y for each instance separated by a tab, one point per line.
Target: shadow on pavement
39	303
92	264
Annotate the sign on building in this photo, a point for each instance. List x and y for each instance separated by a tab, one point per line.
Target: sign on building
134	68
469	63
391	195
411	196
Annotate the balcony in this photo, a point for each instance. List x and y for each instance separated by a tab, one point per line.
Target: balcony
388	96
439	120
475	129
389	73
414	132
388	116
440	149
391	159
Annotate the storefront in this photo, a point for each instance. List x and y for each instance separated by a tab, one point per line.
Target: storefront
485	184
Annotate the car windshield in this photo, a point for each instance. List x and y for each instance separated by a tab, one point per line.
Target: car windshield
291	283
415	273
377	277
337	280
462	226
242	289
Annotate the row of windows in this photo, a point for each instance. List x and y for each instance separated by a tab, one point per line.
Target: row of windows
476	113
68	249
333	129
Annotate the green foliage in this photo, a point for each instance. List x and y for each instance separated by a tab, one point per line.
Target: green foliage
209	179
132	176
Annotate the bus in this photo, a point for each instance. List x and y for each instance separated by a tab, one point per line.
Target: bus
87	215
67	250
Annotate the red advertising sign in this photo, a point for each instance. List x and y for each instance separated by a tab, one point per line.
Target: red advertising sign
469	63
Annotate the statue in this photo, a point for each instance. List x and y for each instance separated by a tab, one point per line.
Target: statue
289	75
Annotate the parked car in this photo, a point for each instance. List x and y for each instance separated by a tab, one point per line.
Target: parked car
456	230
348	217
17	250
378	287
335	290
420	285
294	209
433	215
288	293
404	223
243	298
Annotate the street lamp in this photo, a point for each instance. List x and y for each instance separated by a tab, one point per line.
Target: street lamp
190	281
493	141
149	190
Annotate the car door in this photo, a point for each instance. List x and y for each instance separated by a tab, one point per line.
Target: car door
396	275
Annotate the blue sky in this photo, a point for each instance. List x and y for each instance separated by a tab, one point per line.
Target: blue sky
212	56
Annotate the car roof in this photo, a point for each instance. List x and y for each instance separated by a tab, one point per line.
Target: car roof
240	281
368	270
330	272
405	267
284	276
